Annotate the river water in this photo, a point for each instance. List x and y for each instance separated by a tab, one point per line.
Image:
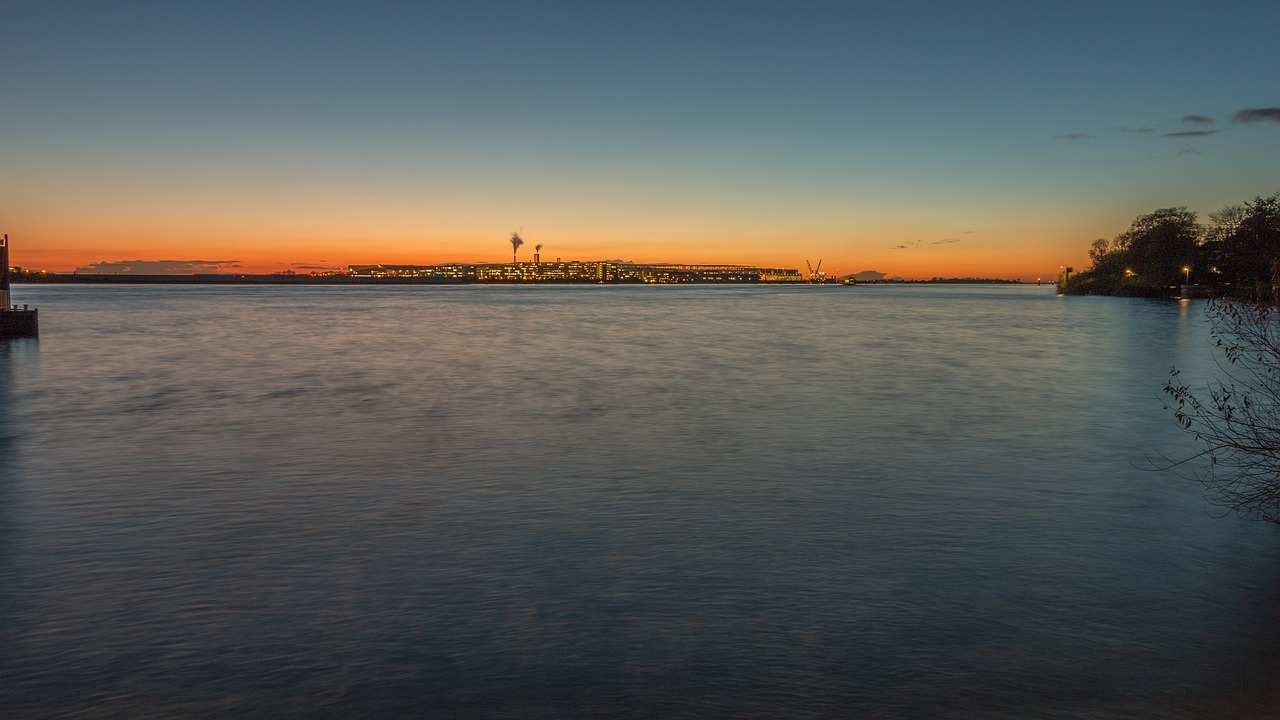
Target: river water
598	501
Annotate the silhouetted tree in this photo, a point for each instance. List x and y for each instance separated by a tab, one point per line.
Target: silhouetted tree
1146	259
1159	245
1251	254
1223	223
1238	250
1238	421
1098	251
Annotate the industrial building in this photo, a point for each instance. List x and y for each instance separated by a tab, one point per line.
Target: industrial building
575	271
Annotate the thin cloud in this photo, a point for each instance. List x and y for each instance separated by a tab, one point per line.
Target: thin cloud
1253	115
913	244
158	267
1191	133
1189	151
1245	116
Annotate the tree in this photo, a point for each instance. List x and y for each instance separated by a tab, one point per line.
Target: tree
1238	422
1237	252
1110	259
1146	259
1253	250
1098	251
1160	244
1224	223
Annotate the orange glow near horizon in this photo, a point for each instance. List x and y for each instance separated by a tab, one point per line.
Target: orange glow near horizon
274	260
915	254
308	139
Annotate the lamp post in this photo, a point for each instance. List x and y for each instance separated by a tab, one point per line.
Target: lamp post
1186	271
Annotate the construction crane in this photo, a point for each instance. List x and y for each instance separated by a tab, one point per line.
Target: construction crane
815	273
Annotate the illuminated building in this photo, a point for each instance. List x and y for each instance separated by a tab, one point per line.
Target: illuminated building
578	271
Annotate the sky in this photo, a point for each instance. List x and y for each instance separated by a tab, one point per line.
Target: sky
918	139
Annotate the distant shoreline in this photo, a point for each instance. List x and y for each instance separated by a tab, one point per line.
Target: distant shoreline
346	279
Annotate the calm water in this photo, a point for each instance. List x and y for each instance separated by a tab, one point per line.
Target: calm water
616	502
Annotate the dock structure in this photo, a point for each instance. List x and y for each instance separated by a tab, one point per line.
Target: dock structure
15	322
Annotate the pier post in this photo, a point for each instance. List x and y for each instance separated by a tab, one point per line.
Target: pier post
1064	278
4	274
14	323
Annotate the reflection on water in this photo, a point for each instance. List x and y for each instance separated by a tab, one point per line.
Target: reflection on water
11	352
603	502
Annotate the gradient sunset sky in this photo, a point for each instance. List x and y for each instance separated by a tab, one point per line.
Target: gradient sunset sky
914	138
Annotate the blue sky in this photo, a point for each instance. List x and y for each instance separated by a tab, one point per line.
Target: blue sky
869	133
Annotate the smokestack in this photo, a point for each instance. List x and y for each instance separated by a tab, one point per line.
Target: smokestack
537	250
516	242
4	273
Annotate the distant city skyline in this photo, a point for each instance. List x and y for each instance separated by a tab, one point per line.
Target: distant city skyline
918	140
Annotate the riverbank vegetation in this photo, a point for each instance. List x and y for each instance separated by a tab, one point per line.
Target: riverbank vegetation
1236	418
1236	252
1235	257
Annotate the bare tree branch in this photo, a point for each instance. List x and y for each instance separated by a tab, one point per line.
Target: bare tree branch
1237	416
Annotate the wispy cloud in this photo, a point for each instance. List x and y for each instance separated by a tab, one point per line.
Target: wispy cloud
1245	116
158	267
1189	151
1191	133
913	244
1252	115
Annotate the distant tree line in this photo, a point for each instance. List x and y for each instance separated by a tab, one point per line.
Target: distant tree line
949	281
1237	250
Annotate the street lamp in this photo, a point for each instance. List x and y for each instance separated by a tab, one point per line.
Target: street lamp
1186	270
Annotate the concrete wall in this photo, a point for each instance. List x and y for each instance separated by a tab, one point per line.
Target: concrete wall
19	323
